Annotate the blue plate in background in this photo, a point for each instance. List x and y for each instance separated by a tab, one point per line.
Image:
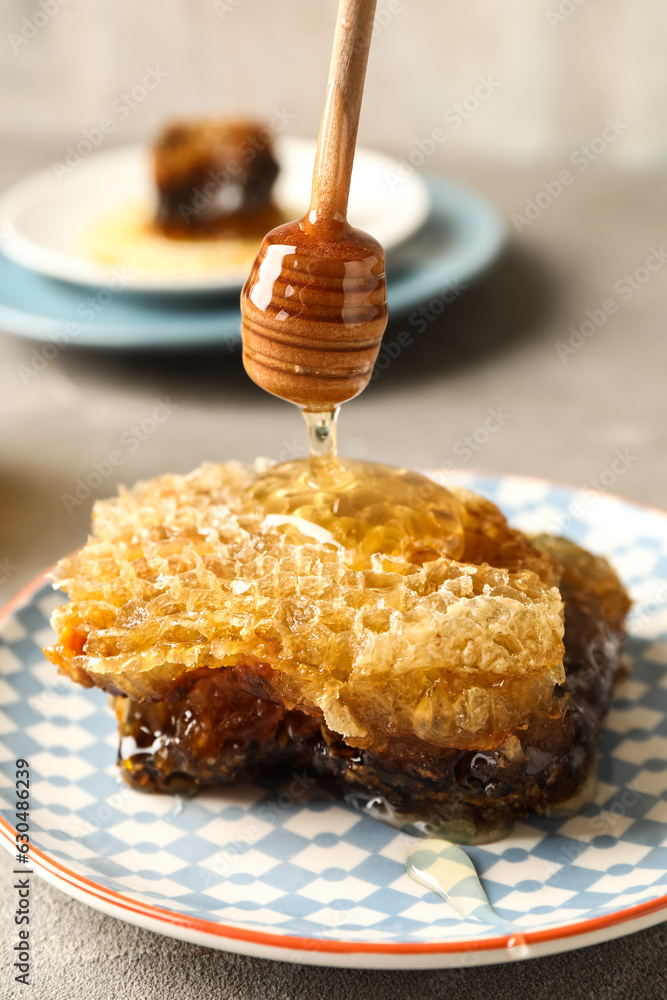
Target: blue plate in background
462	237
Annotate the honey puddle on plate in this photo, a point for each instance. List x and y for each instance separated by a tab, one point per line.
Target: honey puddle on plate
126	237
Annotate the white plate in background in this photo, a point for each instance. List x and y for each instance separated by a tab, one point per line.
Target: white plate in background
44	217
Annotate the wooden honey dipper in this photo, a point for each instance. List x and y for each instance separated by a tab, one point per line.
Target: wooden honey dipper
315	304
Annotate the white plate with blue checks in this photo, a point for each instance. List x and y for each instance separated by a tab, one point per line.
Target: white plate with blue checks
281	870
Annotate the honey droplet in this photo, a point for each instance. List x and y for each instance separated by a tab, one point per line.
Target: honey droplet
447	870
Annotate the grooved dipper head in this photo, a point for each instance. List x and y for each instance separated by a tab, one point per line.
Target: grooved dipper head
314	310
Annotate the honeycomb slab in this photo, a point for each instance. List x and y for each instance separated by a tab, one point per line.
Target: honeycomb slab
451	695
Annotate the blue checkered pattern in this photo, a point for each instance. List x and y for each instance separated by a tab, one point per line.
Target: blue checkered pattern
285	858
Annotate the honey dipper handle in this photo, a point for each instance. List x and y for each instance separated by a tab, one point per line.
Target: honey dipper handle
340	121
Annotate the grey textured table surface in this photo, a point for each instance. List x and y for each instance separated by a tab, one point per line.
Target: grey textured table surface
495	347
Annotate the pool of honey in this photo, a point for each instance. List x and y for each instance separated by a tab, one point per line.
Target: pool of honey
365	507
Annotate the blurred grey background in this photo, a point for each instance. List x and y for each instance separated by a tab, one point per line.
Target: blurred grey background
562	67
